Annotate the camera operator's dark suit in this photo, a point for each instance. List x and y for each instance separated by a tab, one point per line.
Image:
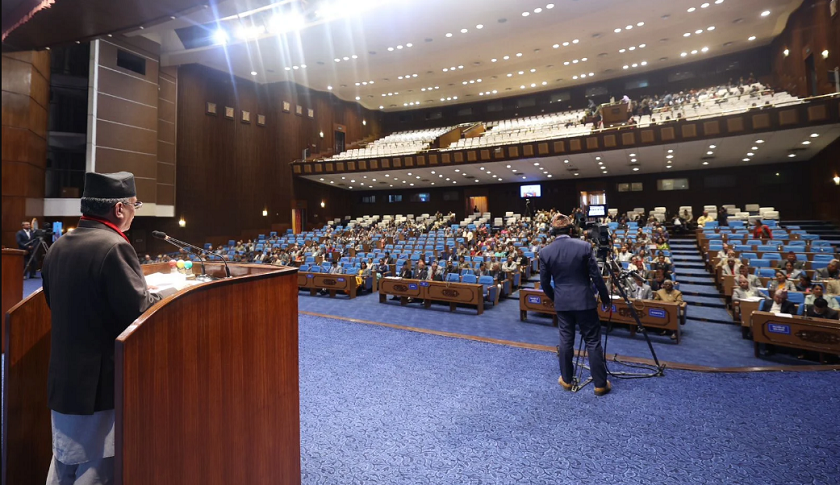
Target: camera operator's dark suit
24	242
572	266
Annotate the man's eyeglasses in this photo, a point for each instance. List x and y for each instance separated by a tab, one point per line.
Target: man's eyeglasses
136	205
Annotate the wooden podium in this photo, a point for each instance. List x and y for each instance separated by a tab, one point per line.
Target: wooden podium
206	385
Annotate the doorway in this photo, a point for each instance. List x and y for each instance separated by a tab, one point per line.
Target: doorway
597	197
339	142
477	204
811	75
298	220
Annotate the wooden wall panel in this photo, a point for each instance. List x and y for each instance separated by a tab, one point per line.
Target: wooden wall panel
228	172
25	95
167	117
809	31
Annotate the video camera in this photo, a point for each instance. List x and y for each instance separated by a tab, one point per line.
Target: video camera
45	234
600	235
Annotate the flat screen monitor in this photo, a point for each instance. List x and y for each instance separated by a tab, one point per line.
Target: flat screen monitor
528	191
597	211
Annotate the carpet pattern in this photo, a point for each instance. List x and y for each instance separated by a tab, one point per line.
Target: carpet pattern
383	406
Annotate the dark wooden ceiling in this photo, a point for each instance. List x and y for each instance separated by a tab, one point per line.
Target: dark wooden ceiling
68	21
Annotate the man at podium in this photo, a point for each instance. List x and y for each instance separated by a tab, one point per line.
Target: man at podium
95	288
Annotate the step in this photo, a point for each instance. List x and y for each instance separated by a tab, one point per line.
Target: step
699	290
696	281
693	271
709	301
704	315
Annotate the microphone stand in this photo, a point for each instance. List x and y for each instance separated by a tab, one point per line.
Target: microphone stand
195	250
203	276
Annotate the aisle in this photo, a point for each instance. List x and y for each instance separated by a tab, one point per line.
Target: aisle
698	287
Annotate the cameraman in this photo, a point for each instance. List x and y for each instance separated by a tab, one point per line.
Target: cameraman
572	266
25	238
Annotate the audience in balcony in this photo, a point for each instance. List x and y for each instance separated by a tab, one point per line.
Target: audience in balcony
702	220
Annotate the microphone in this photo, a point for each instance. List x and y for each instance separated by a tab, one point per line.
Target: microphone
194	249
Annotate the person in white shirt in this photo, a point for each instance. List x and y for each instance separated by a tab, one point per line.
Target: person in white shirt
742	292
624	255
639	289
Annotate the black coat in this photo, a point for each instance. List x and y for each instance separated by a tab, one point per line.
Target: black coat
95	288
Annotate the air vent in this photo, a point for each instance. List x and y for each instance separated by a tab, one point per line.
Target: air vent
383	182
518	174
341	185
423	180
708	157
469	177
572	169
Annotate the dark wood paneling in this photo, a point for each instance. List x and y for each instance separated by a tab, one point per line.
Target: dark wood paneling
564	194
113	135
824	193
809	31
24	124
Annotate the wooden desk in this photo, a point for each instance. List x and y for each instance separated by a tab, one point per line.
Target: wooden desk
811	334
653	314
12	264
333	283
428	291
535	301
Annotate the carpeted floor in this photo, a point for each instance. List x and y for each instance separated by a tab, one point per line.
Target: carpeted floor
383	406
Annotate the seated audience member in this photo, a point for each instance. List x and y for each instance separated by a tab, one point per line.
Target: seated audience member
624	255
658	281
820	309
731	266
760	231
336	269
702	220
791	273
462	263
638	289
364	272
816	293
791	257
482	270
755	281
668	294
804	284
510	266
388	258
637	265
780	283
832	287
406	272
724	253
422	272
664	266
830	272
382	269
742	292
781	303
435	272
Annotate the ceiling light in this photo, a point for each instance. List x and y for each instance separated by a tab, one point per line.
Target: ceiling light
644	63
825	54
449	34
479	26
565	44
746	159
549	6
220	37
626	67
711	28
691	9
694	52
635	169
253	73
765	13
750	154
408	45
537	10
640	24
669	156
617	30
710	153
358	98
705	163
704	5
791	155
681	55
525	14
464	31
813	135
751	38
622	51
786	52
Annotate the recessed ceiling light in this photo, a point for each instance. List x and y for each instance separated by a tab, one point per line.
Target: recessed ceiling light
691	9
635	169
746	159
449	34
765	13
751	38
705	163
762	141
750	154
670	151
806	142
710	153
813	135
253	73
464	31
687	34
525	14
791	155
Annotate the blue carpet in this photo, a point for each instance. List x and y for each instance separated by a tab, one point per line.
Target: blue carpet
697	280
381	406
702	290
690	271
703	343
704	300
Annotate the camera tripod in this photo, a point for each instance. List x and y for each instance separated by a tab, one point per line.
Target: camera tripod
653	370
35	245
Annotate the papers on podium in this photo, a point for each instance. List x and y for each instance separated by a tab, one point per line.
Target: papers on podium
166	284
